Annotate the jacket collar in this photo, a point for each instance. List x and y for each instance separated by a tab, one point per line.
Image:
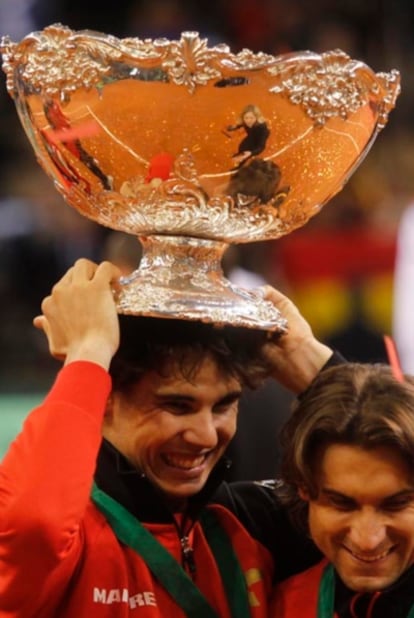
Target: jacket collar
395	600
118	478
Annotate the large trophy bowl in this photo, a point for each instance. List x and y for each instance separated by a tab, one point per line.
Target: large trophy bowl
191	148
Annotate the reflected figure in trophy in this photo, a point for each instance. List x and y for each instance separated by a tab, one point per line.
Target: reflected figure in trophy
66	173
159	169
257	133
256	183
59	122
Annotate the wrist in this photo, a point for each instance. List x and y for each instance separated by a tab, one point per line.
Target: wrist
297	368
311	361
97	352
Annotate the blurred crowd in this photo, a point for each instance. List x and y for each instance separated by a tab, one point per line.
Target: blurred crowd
339	268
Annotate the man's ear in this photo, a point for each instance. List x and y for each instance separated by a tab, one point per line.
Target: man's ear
109	408
303	494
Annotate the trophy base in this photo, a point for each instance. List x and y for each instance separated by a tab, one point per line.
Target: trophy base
181	277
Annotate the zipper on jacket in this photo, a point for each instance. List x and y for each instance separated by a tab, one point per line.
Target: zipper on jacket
187	554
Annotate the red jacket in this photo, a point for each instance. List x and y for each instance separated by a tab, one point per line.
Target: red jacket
297	597
58	555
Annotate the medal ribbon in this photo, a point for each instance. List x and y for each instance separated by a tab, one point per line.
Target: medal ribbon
168	571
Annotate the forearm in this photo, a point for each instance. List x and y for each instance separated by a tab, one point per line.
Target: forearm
46	476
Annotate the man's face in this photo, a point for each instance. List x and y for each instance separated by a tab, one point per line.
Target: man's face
174	430
363	517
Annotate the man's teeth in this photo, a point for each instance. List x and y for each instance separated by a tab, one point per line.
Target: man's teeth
186	463
371	558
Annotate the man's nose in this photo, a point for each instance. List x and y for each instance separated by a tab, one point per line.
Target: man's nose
201	429
368	531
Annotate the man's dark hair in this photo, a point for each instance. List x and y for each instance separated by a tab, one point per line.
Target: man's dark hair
182	345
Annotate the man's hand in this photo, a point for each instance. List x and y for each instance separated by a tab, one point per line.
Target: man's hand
296	356
79	318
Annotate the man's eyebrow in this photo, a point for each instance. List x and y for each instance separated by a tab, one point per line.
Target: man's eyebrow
404	493
332	493
172	395
230	397
337	496
227	398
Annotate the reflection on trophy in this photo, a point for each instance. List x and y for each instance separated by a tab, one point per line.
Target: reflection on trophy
191	148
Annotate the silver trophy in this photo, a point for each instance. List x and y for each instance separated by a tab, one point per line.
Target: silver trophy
192	148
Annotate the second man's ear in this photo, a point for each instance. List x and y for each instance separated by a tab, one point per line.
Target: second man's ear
303	494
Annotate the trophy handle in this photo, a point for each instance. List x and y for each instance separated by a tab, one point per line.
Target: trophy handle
182	277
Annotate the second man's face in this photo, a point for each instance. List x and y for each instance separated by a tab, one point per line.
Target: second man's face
363	517
175	430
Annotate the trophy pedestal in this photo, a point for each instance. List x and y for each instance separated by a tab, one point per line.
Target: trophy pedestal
180	276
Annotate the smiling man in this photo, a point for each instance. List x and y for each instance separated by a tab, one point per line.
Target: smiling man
112	498
349	472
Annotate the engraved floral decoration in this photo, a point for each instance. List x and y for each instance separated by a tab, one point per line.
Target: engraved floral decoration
50	58
190	61
326	86
58	60
179	204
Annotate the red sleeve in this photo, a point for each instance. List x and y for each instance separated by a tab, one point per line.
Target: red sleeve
46	477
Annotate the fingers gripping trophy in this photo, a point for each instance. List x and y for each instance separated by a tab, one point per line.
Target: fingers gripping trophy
192	148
